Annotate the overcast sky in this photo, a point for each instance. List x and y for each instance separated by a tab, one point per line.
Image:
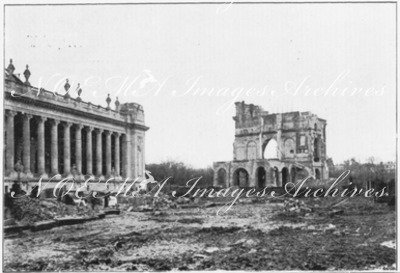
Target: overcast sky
284	57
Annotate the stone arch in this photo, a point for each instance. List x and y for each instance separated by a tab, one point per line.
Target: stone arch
221	177
251	150
285	176
261	177
240	177
270	149
289	147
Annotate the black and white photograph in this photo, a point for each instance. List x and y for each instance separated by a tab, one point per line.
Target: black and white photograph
199	136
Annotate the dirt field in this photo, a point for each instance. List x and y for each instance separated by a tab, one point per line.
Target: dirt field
251	236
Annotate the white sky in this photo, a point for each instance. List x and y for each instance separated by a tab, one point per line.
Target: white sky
270	47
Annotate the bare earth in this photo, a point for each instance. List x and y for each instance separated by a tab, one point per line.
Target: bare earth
251	236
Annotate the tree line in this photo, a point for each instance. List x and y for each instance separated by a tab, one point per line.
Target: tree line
372	172
180	173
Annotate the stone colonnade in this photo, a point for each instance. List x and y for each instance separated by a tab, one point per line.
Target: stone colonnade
113	167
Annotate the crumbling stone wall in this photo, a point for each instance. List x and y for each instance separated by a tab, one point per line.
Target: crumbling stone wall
300	139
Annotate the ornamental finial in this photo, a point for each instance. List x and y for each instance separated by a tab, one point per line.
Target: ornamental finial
117	105
27	74
11	67
66	87
79	91
108	100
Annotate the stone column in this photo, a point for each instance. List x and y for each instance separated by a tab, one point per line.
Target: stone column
89	162
99	166
78	148
116	155
67	149
41	151
26	134
10	147
108	153
124	156
54	147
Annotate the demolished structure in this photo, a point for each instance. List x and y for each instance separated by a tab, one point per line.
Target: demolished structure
272	149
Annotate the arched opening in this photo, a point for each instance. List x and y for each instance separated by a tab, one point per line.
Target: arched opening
285	176
261	177
270	149
293	175
251	150
241	178
316	149
221	177
317	174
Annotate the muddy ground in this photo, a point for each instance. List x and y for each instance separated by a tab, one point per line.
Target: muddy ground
251	236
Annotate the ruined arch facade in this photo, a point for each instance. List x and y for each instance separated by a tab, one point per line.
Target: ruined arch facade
300	147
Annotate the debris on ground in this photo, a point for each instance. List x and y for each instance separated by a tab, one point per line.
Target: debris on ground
27	210
148	203
295	207
389	244
249	237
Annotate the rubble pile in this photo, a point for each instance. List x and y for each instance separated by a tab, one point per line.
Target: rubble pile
161	202
295	207
151	203
28	210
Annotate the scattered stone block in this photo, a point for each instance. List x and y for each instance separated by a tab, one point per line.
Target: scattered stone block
211	250
43	225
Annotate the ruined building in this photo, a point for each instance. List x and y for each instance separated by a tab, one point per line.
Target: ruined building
271	149
53	135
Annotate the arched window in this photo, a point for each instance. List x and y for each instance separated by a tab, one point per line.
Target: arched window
289	147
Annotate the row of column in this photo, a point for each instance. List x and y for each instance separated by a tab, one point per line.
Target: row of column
26	155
